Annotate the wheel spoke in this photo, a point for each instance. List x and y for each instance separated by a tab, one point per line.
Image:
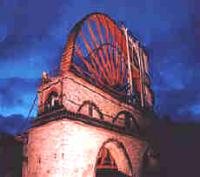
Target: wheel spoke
100	55
97	45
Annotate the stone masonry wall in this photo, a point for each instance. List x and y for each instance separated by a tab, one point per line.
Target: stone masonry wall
76	91
66	148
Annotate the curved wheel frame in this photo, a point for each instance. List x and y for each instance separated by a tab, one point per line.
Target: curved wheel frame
97	51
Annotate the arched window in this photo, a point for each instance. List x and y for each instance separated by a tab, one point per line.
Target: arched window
90	109
52	102
105	160
130	123
113	161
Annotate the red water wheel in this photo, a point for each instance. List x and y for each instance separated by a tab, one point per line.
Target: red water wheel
96	51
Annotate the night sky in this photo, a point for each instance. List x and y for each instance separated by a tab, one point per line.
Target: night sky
33	34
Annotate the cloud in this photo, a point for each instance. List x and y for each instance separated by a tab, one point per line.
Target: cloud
180	105
191	111
25	41
14	124
195	109
17	94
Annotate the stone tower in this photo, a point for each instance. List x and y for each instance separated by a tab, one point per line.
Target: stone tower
91	115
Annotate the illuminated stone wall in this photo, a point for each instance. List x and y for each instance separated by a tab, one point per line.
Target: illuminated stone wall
69	148
75	91
66	148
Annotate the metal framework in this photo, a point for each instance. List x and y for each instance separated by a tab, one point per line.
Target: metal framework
103	53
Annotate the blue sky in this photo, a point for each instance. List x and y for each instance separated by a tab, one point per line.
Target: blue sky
33	34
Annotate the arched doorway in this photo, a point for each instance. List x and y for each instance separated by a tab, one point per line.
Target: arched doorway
52	102
112	161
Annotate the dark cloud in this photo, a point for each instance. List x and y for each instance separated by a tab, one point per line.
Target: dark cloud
17	95
25	37
178	104
14	124
12	91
